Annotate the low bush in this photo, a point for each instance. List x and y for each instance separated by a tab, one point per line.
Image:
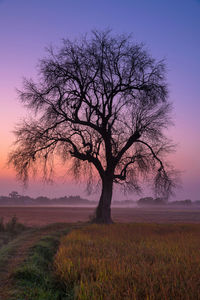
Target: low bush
12	226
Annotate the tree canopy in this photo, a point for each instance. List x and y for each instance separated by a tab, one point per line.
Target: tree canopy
102	103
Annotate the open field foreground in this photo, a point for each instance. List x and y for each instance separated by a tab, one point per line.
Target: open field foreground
40	216
131	261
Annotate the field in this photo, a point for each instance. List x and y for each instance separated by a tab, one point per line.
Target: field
131	261
40	216
153	254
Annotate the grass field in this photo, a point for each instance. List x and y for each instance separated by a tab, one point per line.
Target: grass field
131	261
42	216
159	259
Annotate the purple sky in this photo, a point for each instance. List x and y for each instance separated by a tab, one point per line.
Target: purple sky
170	29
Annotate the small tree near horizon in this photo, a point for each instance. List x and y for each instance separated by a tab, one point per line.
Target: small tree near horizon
14	195
102	104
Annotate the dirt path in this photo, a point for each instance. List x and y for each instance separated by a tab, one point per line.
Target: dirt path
25	243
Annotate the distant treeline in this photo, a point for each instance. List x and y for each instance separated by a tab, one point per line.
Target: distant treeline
160	201
15	199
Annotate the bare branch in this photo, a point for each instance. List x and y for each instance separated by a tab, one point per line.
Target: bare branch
102	103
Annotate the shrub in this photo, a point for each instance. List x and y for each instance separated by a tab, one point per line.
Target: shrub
2	227
12	226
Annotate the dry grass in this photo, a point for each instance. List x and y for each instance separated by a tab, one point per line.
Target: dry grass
131	261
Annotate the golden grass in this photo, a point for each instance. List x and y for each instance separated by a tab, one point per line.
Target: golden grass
131	261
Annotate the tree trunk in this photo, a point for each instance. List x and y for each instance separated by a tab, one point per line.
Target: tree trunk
103	211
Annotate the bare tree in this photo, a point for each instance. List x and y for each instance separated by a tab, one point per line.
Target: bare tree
102	103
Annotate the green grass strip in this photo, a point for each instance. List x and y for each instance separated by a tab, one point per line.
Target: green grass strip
35	279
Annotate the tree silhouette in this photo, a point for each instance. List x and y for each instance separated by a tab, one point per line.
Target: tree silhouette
100	102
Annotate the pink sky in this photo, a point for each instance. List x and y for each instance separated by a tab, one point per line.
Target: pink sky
170	31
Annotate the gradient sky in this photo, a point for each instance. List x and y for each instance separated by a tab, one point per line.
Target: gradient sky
170	29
